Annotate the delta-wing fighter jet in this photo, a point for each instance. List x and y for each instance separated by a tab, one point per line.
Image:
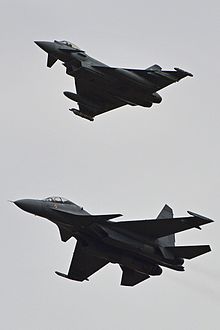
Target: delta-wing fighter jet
101	88
140	247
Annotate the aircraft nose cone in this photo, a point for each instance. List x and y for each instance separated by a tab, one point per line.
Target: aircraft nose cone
47	46
29	205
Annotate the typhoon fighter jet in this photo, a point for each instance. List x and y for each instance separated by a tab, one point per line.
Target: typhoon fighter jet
140	247
101	88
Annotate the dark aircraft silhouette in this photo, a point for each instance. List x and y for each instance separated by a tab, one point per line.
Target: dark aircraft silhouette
139	247
101	88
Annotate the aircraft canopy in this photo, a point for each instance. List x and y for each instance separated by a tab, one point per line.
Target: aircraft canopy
58	199
70	44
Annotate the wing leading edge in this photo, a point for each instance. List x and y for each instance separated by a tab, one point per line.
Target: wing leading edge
162	227
94	101
157	77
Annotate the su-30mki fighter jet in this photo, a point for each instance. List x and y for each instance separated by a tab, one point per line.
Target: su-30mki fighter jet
139	247
101	88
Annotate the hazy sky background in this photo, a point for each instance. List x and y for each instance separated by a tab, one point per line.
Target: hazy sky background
130	161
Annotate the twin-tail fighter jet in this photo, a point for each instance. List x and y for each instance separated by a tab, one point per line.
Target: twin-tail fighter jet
101	88
139	247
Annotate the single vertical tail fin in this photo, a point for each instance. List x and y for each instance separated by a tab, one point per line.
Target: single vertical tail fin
166	213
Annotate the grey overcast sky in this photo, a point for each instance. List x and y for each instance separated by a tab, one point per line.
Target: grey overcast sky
131	161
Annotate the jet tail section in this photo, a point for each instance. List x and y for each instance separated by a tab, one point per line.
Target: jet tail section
189	252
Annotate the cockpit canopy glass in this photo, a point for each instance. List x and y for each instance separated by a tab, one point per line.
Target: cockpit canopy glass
57	199
70	44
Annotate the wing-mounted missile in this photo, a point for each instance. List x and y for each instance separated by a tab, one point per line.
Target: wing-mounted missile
68	277
81	114
83	103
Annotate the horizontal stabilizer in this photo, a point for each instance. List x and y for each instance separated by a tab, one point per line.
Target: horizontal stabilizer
189	252
130	277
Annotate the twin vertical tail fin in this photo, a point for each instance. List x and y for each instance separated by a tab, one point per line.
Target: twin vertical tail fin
166	213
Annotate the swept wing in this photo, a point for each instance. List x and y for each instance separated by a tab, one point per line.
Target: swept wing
83	264
131	277
95	101
162	227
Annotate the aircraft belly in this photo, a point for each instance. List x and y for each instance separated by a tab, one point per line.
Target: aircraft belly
121	249
112	86
127	259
